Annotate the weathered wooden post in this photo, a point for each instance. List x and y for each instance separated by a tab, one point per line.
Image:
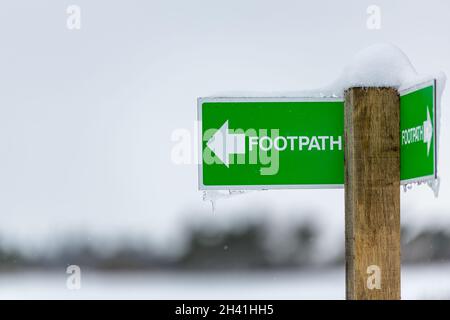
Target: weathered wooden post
372	193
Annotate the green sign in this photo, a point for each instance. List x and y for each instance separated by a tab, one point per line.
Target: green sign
280	143
417	133
267	143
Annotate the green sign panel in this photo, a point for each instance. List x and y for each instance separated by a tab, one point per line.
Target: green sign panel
279	143
417	133
271	143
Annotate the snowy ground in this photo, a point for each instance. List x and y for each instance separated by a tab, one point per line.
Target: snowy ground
418	282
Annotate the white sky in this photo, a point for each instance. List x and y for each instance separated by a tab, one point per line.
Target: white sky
86	116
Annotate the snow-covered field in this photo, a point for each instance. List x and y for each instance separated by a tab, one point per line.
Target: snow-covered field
418	282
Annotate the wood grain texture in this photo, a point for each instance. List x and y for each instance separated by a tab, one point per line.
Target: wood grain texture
372	191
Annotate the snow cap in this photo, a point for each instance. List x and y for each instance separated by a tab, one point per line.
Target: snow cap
380	65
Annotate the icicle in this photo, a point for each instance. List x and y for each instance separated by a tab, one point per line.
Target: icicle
214	195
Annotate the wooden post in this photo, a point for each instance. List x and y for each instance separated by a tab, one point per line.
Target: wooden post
372	193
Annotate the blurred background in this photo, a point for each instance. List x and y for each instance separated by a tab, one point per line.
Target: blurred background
91	93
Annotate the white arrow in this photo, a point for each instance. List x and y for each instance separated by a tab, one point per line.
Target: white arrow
223	144
428	131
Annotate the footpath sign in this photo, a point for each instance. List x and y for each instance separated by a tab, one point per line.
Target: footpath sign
282	143
256	143
418	158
